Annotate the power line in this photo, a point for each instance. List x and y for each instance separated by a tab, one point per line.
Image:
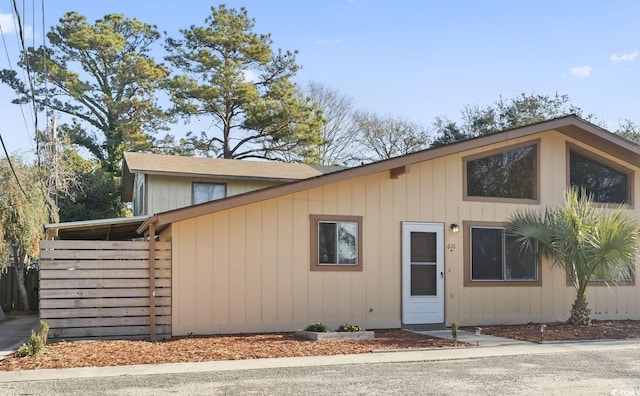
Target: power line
29	78
11	166
6	50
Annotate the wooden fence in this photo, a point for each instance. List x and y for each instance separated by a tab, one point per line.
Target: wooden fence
9	298
101	289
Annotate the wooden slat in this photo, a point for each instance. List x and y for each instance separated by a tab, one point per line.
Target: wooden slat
103	302
99	284
83	332
101	264
93	254
107	293
100	312
101	245
100	293
106	322
102	274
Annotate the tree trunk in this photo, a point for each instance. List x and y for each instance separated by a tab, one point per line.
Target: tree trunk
19	264
580	312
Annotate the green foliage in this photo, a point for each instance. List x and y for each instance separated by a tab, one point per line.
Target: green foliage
350	328
103	76
504	114
233	75
24	209
454	331
582	239
318	327
34	347
95	195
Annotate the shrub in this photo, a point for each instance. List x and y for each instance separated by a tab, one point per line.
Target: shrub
318	327
37	342
34	347
454	331
350	328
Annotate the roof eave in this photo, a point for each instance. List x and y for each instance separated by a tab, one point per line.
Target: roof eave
569	125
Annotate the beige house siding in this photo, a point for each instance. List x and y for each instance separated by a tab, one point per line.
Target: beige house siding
246	269
171	192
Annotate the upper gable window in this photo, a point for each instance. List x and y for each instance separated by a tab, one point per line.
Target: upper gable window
604	182
507	174
205	192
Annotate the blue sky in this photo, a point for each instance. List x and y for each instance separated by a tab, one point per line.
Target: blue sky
412	59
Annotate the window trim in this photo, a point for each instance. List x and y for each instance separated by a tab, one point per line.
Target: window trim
535	143
468	282
604	161
193	195
314	220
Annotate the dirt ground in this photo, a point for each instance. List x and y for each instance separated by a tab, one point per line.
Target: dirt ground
255	346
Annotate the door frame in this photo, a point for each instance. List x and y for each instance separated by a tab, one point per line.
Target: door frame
437	228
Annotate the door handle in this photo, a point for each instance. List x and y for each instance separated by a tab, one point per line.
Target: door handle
442	274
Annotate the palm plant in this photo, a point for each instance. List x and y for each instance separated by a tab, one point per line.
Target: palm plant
582	239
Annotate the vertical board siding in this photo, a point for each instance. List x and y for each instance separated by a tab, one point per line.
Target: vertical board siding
172	192
100	289
259	255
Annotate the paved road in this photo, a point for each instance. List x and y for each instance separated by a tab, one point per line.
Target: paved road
603	371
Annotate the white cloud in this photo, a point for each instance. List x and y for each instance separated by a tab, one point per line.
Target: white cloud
628	57
6	21
581	71
9	25
328	43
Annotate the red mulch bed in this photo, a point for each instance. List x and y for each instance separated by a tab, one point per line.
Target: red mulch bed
202	349
256	346
599	330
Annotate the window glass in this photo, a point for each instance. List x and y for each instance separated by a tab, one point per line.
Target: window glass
337	242
603	183
205	192
347	236
510	174
495	257
623	276
423	280
423	247
327	243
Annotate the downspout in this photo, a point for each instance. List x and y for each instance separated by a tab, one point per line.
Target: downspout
152	281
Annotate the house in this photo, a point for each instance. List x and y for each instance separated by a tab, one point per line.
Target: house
413	240
157	183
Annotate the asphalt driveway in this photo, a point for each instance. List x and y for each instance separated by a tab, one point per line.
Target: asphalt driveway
15	330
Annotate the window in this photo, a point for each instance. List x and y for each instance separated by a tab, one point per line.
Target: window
625	276
205	192
604	182
505	174
336	243
138	199
492	258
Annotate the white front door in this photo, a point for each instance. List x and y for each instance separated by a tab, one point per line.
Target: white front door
422	273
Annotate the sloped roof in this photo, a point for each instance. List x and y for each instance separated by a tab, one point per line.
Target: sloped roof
571	125
116	229
175	165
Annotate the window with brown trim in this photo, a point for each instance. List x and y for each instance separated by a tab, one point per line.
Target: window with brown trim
493	259
505	174
603	180
336	243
